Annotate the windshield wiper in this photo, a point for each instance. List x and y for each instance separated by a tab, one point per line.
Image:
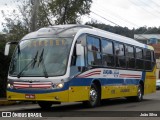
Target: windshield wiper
19	51
41	60
33	61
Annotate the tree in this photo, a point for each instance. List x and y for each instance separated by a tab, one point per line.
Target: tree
114	29
69	11
50	12
4	63
17	23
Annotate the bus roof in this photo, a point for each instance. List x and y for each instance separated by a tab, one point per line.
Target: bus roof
80	29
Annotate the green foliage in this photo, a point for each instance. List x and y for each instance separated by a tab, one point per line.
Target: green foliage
4	63
69	11
124	30
147	30
114	29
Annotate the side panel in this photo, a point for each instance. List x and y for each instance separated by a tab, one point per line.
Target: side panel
78	93
118	91
150	82
114	83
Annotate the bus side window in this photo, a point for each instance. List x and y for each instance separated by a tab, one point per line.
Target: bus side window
119	55
153	59
130	59
148	59
75	59
139	59
107	53
94	55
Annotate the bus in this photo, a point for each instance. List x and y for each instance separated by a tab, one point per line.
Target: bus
79	63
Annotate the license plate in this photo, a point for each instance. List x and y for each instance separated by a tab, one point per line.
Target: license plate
29	96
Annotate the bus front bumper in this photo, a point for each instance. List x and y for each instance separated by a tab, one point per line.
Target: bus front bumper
61	96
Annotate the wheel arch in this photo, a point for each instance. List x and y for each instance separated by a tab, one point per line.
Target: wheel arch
142	84
97	82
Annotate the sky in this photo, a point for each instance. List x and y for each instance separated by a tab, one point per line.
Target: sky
125	13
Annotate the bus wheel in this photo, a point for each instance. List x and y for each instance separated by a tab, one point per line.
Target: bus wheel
45	104
94	97
139	96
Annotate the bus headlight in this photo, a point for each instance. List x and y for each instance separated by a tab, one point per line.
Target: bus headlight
9	86
60	85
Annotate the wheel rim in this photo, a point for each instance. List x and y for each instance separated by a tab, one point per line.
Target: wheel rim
139	93
93	95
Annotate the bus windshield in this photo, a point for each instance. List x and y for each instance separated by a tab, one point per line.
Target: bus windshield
41	57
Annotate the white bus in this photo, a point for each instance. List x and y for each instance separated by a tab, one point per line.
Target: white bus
69	63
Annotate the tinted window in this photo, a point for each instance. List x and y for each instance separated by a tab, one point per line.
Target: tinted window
107	47
94	58
139	59
129	51
93	44
148	55
148	59
119	49
139	53
119	52
108	60
130	59
148	65
107	50
139	64
153	56
94	55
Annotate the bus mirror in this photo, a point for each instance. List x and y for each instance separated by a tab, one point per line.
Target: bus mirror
79	50
7	47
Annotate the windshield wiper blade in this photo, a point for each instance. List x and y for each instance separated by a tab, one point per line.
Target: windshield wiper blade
19	51
41	60
33	61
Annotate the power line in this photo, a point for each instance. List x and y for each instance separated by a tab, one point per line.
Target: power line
143	8
119	17
149	6
112	22
105	19
155	3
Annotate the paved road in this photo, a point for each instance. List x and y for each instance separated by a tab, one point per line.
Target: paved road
118	107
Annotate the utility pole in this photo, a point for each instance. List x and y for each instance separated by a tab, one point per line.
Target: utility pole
35	8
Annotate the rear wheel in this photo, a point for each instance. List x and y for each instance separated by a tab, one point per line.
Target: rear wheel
139	96
45	104
94	97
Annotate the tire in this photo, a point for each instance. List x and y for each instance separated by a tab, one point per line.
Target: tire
139	96
45	104
94	97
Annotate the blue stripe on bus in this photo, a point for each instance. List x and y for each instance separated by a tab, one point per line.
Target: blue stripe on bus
103	81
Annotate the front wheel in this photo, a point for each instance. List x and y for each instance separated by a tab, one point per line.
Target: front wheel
94	97
45	104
